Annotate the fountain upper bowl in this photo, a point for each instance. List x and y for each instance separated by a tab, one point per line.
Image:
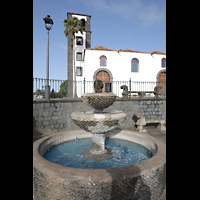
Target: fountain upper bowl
99	101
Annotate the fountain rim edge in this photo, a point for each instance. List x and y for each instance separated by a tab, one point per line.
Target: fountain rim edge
101	175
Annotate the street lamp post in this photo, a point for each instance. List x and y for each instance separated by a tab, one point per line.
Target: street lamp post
48	25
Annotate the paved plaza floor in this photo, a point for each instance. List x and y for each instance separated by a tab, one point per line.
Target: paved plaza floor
152	131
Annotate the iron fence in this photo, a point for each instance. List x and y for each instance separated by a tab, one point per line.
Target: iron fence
39	88
59	88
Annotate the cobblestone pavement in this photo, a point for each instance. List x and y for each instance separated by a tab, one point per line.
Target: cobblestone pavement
151	130
161	135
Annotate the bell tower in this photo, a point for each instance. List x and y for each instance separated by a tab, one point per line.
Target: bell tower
81	42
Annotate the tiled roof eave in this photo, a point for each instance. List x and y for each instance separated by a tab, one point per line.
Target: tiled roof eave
101	48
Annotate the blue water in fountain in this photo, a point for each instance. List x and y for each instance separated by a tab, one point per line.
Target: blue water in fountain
71	154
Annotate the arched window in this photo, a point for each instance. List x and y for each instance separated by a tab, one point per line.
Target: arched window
134	65
103	61
163	62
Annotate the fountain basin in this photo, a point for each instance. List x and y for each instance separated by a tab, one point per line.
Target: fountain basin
98	123
99	101
145	180
77	153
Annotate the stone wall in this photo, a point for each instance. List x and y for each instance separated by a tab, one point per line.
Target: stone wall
153	109
54	115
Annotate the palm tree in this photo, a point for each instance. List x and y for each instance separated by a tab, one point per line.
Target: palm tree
73	25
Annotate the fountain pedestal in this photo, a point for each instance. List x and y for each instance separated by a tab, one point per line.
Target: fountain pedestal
98	146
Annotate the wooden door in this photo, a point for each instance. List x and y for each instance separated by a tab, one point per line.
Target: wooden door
104	77
162	81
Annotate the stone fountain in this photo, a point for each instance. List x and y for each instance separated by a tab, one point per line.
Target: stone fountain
98	122
141	180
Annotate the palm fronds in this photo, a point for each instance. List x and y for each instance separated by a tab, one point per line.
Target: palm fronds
73	25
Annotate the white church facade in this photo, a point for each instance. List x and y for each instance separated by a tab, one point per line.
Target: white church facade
113	67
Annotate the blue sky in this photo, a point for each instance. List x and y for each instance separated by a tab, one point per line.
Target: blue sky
134	24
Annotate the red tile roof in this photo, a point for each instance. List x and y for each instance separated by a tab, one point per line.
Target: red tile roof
101	48
125	50
157	52
129	50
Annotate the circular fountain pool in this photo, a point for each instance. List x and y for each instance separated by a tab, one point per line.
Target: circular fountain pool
145	179
77	154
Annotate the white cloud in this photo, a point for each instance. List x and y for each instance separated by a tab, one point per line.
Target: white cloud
151	14
61	46
147	12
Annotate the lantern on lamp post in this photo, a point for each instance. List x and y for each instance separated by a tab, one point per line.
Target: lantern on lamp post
48	25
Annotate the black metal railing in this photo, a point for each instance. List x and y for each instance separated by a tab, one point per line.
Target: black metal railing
59	88
55	88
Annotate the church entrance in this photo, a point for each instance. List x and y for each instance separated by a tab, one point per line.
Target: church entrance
105	78
162	81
